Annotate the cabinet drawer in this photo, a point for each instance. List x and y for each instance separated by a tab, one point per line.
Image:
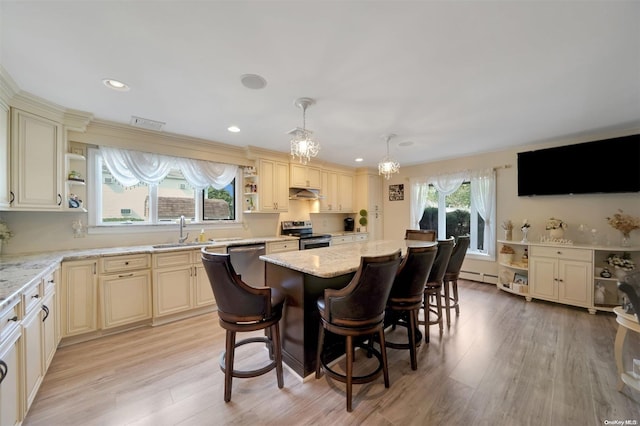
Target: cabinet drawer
9	317
124	263
32	296
344	239
49	282
173	258
362	237
282	246
562	253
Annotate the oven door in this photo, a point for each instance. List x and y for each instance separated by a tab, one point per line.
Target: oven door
311	243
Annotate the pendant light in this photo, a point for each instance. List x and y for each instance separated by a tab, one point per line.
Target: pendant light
303	146
387	166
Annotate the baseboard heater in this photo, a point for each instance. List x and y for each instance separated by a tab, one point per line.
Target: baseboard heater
479	276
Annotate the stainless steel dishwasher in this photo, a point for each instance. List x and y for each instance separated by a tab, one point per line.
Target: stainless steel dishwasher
246	262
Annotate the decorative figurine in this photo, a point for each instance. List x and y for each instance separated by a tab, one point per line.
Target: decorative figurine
605	273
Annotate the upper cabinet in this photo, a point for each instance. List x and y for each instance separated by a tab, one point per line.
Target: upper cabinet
274	186
301	176
337	192
37	147
5	177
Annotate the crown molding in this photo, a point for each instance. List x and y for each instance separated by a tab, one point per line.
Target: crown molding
8	87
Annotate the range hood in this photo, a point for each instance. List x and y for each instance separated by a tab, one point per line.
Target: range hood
303	194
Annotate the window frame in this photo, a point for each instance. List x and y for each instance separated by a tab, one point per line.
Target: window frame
97	226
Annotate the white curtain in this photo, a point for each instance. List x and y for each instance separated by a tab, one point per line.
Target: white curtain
130	168
483	193
449	183
200	174
419	188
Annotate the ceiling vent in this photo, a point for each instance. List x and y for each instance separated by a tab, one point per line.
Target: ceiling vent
145	123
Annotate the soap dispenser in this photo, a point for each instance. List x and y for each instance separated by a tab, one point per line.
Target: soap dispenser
202	238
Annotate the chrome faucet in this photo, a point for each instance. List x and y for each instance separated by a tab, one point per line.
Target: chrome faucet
182	239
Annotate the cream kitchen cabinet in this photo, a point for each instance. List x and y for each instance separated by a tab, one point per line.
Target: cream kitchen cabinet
180	283
342	239
79	297
274	186
561	275
301	176
5	157
10	387
282	246
37	146
337	192
10	364
369	197
38	334
124	287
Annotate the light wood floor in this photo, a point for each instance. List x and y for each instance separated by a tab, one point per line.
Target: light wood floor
504	361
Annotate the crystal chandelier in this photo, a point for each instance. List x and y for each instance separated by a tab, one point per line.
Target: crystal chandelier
387	166
302	145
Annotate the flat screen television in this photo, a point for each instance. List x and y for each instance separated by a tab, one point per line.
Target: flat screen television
604	166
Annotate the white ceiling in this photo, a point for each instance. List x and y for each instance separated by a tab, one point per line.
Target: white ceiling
455	78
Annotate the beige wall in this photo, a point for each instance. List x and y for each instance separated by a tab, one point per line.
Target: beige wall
590	210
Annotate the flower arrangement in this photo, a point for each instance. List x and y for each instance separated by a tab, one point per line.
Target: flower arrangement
5	233
624	223
507	225
554	223
624	262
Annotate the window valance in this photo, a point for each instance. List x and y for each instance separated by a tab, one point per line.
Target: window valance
130	168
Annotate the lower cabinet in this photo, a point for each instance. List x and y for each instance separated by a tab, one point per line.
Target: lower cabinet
79	297
33	354
561	275
282	246
11	364
180	282
124	290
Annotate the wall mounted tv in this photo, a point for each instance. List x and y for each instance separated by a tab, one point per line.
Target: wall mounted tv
604	166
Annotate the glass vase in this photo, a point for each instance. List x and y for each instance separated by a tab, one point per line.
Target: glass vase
524	235
508	234
625	241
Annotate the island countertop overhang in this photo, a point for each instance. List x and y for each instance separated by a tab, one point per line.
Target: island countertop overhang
333	261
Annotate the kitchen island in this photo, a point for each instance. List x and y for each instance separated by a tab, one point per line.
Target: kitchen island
303	276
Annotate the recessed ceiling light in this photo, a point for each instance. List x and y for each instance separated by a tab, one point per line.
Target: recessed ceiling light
253	81
115	84
359	160
405	143
233	129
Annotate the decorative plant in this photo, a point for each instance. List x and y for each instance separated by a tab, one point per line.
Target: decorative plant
554	223
507	225
624	262
624	223
5	233
363	218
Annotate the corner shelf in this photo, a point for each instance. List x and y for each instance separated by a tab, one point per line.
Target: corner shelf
74	162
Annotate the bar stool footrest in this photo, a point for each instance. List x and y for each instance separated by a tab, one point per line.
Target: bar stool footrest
249	373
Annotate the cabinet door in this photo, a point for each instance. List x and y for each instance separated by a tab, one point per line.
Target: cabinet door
126	298
329	202
345	193
281	186
301	176
4	157
49	324
172	290
204	293
10	408
268	193
575	282
543	273
36	162
79	297
33	355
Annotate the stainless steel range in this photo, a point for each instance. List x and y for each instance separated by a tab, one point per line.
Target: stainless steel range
303	229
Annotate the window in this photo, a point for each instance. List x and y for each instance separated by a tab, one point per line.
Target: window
455	205
173	196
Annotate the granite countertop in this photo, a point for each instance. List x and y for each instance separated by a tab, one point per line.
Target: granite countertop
20	270
329	262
